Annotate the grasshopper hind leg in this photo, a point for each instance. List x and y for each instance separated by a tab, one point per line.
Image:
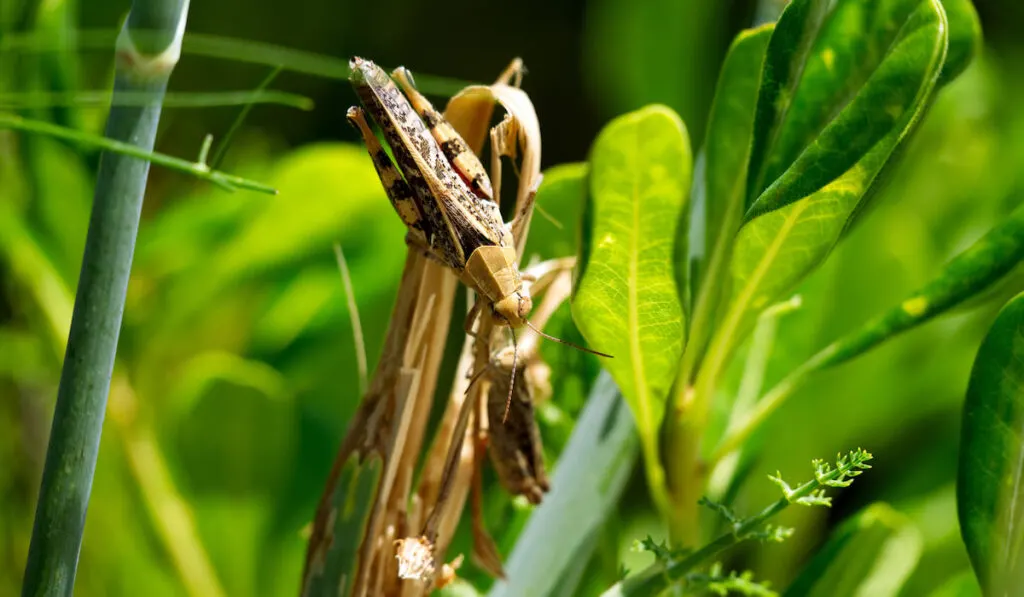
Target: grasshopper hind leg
398	190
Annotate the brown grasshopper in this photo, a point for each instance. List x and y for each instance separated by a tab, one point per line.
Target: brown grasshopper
441	191
514	440
443	195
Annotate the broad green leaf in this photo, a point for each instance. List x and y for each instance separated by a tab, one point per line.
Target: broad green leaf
843	84
990	492
587	484
839	79
626	301
964	37
869	555
727	148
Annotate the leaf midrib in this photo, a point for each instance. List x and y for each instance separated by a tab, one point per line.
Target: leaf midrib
636	351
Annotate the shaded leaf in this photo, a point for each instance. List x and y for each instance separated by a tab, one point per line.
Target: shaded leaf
872	553
839	79
842	86
965	276
585	487
964	37
990	494
730	126
625	298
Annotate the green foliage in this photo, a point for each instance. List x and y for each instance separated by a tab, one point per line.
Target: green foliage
237	347
989	494
816	152
587	483
870	553
676	564
626	299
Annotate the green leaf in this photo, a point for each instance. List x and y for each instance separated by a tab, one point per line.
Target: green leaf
967	275
964	38
872	553
839	80
842	86
586	485
730	126
626	300
990	495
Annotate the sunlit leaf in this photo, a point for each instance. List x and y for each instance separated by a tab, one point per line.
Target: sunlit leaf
586	485
626	301
872	553
990	493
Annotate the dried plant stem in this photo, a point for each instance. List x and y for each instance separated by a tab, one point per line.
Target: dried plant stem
99	304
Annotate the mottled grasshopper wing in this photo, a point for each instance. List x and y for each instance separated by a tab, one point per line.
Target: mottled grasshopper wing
458	220
463	229
514	440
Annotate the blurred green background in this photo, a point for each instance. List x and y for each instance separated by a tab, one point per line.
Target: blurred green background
237	373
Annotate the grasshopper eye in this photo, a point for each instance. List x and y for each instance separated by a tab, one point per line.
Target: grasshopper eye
509	311
525	305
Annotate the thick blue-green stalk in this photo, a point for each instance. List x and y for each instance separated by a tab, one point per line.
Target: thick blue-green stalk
99	303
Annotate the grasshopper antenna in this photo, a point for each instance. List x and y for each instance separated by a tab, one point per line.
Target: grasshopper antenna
566	342
512	381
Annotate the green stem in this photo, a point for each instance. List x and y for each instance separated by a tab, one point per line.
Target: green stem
96	318
659	576
136	152
205	99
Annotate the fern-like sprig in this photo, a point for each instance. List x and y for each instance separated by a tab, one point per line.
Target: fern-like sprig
674	567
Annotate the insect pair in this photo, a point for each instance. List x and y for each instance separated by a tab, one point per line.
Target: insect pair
442	193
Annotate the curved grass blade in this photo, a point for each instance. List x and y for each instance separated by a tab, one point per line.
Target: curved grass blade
227	48
626	300
990	483
592	472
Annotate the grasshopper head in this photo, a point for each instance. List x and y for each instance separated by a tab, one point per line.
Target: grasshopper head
513	309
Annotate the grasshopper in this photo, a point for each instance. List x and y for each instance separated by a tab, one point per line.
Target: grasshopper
442	193
514	443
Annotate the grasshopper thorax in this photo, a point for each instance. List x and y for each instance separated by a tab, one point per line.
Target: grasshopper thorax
491	270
